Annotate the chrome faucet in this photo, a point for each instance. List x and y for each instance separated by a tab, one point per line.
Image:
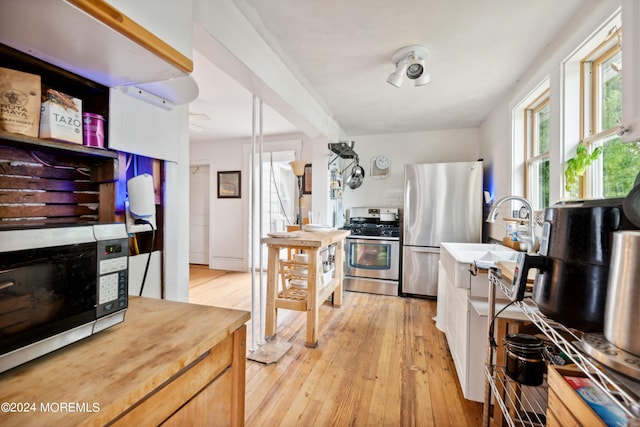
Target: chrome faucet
529	240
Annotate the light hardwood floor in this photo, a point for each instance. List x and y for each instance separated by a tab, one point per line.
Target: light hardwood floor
380	361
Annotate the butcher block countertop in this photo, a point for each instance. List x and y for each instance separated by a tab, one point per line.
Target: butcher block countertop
312	239
96	380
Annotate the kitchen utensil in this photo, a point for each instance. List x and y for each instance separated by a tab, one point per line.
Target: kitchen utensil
621	320
357	175
298	283
300	272
317	227
554	359
301	258
283	234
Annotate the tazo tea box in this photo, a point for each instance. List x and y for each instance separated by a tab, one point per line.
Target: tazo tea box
61	117
19	102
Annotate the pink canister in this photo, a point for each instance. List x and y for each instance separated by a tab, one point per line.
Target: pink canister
93	128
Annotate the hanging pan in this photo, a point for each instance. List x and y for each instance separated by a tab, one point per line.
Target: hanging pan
357	175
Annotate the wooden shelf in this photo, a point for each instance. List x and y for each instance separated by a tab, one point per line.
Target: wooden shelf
23	141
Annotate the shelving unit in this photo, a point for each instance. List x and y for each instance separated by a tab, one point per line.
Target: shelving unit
324	277
569	342
296	297
520	405
55	147
48	182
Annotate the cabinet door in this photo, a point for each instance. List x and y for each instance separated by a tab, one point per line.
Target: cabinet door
211	407
93	40
169	20
459	345
138	127
441	307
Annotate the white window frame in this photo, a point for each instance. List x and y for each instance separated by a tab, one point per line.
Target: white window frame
573	121
531	143
591	185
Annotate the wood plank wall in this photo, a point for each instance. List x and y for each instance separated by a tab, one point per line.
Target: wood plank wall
40	188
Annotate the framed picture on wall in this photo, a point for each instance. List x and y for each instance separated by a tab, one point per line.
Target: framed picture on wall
306	179
229	185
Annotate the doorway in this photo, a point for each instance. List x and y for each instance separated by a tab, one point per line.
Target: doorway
278	195
199	201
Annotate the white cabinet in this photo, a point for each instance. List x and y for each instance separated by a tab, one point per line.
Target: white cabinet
441	307
169	20
139	127
95	41
465	331
465	327
631	70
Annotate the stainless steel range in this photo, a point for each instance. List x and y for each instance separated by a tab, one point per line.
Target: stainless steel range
372	251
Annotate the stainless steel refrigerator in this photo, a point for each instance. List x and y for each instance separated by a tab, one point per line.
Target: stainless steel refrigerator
442	203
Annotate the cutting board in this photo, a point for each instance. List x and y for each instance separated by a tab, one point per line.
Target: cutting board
508	268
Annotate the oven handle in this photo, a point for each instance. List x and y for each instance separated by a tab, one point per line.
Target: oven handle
378	238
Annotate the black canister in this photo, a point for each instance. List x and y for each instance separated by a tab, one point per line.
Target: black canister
524	359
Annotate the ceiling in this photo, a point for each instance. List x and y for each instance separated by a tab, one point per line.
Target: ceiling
222	110
341	52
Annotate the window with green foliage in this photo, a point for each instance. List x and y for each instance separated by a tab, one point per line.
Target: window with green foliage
537	141
613	173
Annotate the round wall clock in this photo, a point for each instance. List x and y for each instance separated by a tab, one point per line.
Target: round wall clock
383	162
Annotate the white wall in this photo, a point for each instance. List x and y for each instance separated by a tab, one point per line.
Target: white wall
229	218
175	137
176	220
403	148
503	171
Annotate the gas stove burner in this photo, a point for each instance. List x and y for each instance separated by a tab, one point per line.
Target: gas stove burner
597	346
358	220
380	222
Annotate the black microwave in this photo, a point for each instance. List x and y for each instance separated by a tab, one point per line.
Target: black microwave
59	285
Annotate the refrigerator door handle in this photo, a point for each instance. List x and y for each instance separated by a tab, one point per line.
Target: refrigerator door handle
426	250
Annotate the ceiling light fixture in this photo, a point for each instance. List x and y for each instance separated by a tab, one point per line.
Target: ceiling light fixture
410	61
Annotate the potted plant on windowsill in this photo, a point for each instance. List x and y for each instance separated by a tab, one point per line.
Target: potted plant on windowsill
577	166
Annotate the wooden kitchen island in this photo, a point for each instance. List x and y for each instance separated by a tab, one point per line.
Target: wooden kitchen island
169	363
320	284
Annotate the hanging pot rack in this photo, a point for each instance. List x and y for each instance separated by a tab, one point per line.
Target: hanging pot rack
344	150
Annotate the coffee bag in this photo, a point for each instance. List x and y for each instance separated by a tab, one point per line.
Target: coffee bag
19	102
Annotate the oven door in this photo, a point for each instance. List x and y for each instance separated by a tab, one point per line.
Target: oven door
372	257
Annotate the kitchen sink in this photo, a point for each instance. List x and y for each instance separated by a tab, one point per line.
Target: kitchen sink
458	259
476	247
